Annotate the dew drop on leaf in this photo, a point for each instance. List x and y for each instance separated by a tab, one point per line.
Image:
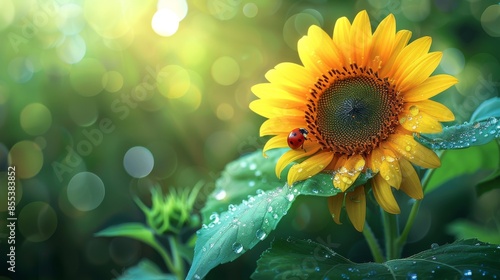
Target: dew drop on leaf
434	246
260	234
411	276
237	247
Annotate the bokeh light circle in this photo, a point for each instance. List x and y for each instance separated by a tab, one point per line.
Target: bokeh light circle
173	81
20	69
138	162
124	251
223	10
86	77
7	13
225	111
165	22
250	10
112	81
85	191
72	50
490	20
70	19
296	26
225	70
27	157
35	119
179	7
453	61
83	112
37	221
416	11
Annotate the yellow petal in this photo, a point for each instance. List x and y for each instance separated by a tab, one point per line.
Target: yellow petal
324	49
342	39
309	167
268	90
434	109
348	173
361	36
290	75
409	54
389	169
375	160
281	125
383	42
355	205
335	205
413	151
270	108
411	183
308	53
429	88
310	148
413	119
402	38
295	73
418	71
278	141
383	194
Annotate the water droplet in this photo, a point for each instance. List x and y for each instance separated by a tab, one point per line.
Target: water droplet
402	120
231	207
214	218
414	110
434	246
197	277
260	234
258	173
315	191
467	272
317	269
270	209
411	276
243	164
220	195
275	216
252	166
251	183
408	148
290	197
299	170
260	192
237	247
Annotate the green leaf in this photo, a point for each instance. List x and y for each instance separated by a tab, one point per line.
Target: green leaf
472	165
467	229
489	185
241	178
487	109
299	259
250	216
136	231
463	135
145	270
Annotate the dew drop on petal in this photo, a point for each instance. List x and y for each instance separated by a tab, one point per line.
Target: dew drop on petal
408	148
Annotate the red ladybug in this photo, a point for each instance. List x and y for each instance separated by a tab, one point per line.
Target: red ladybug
297	137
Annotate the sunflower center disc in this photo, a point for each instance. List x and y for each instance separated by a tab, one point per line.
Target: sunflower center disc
356	113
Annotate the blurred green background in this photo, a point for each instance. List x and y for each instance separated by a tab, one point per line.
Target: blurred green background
101	100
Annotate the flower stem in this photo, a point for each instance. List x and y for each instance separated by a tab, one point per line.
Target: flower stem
391	234
373	244
401	241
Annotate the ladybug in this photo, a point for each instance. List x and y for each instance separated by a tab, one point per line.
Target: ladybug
297	137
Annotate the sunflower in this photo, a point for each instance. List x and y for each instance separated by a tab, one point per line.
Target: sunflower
361	96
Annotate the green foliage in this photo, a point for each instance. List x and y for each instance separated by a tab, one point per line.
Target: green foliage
133	230
304	259
463	229
473	166
145	270
251	215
